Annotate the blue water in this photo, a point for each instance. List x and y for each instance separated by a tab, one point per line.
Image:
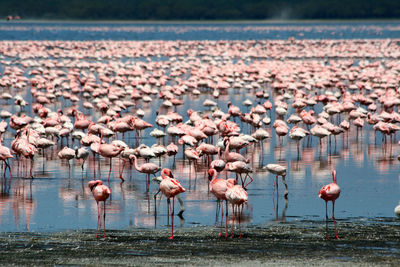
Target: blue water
77	31
56	200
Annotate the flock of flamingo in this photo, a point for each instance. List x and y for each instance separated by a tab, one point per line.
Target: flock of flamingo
87	99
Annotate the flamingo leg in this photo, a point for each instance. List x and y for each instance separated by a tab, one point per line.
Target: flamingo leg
98	220
69	169
172	219
234	215
109	172
104	219
222	217
9	168
226	218
333	218
286	187
182	207
326	219
31	175
5	169
217	211
147	182
168	208
155	195
251	180
123	167
239	214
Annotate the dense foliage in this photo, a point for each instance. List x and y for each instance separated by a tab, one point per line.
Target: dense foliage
200	9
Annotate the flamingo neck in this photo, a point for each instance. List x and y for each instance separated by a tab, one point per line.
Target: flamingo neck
163	174
135	162
93	186
214	175
334	178
219	153
101	137
227	148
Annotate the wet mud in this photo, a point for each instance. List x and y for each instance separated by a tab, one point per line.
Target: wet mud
276	243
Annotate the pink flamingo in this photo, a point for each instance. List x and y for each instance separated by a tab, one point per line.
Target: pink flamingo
218	187
170	187
100	193
81	122
109	151
67	153
240	167
218	164
147	168
232	156
278	170
5	154
330	192
172	150
208	150
20	145
236	195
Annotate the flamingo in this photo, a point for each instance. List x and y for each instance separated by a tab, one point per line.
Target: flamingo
397	210
236	195
278	170
170	187
240	167
109	151
172	149
218	187
81	153
100	193
218	164
5	154
148	168
206	149
297	134
20	145
192	155
231	156
319	132
330	192
66	153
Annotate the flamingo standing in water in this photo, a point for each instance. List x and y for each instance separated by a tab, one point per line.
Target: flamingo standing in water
236	195
147	168
330	192
218	187
170	187
100	193
109	151
278	170
5	154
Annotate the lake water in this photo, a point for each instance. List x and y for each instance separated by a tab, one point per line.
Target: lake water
56	200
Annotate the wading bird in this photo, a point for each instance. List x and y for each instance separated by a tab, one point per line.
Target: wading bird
330	192
170	187
100	193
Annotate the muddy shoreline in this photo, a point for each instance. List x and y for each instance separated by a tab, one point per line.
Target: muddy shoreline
296	243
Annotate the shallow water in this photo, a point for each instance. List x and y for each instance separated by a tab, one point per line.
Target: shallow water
56	200
54	211
50	30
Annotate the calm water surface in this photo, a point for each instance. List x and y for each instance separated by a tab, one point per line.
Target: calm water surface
367	171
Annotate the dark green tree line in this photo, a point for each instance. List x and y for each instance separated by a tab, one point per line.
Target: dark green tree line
200	9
